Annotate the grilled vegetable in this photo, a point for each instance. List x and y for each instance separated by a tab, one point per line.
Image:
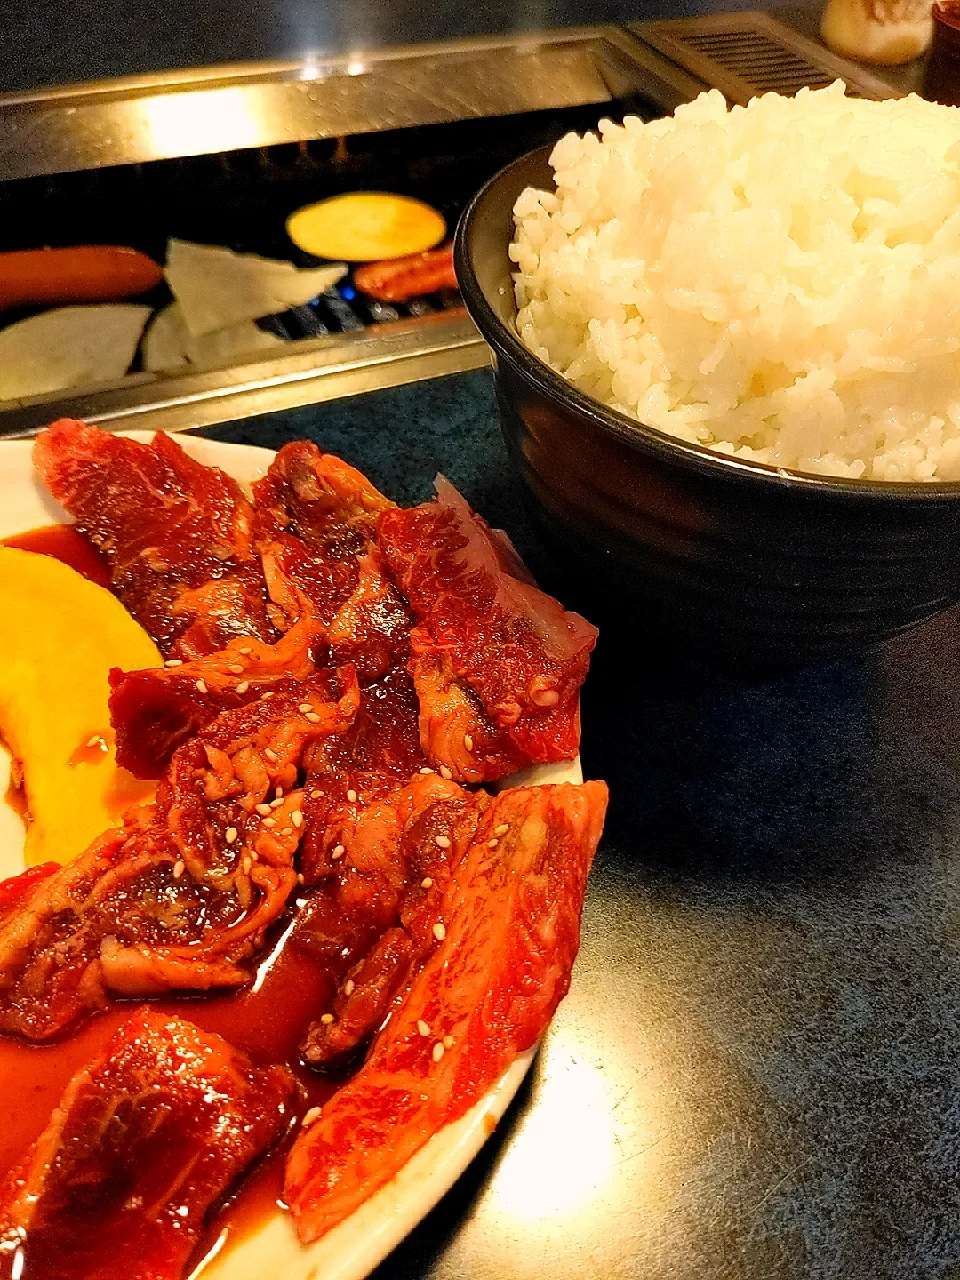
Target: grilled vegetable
86	273
69	347
59	637
169	344
404	278
365	226
217	288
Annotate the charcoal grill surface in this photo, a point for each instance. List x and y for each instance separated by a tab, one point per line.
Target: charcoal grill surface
439	147
241	199
223	155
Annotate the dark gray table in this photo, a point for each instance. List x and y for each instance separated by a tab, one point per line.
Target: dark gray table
755	1073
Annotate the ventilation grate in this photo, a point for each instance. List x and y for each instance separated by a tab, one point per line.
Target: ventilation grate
744	54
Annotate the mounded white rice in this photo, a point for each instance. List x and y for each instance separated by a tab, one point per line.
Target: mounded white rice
779	281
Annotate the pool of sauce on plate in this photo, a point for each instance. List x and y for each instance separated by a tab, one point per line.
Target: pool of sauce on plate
64	543
268	1020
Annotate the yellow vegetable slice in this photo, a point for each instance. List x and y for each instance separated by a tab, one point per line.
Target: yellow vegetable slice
366	226
59	636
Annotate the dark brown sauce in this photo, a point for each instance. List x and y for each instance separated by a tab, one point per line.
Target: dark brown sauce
268	1023
62	542
15	797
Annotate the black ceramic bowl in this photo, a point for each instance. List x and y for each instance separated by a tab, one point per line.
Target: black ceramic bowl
721	558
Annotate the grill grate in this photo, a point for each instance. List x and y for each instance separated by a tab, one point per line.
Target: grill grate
744	54
343	310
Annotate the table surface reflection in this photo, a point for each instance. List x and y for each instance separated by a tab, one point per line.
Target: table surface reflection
755	1072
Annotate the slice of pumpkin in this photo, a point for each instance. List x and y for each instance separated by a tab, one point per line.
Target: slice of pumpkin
364	226
59	637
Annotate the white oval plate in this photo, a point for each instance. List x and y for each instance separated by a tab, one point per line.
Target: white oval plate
351	1250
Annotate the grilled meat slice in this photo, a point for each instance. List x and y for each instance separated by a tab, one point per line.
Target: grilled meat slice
500	964
145	1139
183	894
455	732
378	903
488	644
321	499
383	739
178	536
371	629
379	751
362	1002
332	509
155	710
329	596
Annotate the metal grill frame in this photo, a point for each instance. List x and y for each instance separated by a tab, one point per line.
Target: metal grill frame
82	128
40	133
250	106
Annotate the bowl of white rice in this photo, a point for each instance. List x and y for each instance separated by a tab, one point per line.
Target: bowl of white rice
728	364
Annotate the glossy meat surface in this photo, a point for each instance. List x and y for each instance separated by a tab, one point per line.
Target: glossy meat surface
387	864
326	512
321	499
329	597
338	667
144	1141
510	921
178	536
455	731
181	896
155	710
379	751
498	664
